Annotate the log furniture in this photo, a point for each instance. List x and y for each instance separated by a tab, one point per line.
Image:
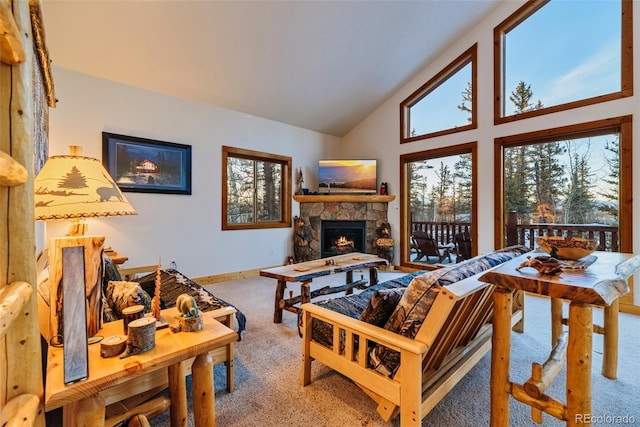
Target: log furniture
83	402
452	335
599	285
25	88
305	272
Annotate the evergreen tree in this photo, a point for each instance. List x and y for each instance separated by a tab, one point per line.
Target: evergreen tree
463	186
73	179
612	193
548	178
467	97
443	192
418	189
579	202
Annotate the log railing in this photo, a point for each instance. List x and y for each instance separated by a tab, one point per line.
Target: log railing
526	234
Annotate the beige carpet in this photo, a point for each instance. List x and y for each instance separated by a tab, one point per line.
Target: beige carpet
268	363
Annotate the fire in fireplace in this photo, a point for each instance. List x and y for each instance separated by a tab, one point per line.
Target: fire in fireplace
341	237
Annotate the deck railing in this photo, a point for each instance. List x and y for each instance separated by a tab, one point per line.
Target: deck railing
526	234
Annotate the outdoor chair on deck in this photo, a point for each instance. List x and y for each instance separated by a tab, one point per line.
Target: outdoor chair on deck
426	246
462	241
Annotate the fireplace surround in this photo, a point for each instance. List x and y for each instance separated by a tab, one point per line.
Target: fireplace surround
372	210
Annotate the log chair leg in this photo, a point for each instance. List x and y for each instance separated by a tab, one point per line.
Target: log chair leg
518	304
178	394
204	404
500	354
610	351
579	364
277	313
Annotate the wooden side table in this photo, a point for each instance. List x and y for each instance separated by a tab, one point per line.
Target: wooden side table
83	403
599	285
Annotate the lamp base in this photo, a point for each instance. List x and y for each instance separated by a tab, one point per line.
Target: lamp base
93	247
78	227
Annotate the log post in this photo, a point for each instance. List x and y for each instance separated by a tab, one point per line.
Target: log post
204	404
178	393
500	355
89	411
579	370
610	351
277	313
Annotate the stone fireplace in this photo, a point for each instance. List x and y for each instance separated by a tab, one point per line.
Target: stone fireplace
342	237
371	211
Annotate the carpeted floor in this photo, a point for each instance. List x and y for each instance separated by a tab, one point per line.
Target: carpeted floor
268	365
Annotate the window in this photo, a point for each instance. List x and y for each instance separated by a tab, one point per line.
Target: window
573	180
445	104
256	189
438	196
556	55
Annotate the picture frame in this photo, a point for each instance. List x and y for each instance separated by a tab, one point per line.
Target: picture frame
142	165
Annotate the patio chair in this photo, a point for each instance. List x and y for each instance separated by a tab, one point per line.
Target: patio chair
426	246
462	241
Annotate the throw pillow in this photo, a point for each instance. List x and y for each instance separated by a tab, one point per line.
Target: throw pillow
121	295
382	303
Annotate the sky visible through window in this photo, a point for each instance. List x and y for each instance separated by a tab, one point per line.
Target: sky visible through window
566	51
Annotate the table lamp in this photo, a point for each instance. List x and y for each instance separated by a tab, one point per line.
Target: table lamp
75	187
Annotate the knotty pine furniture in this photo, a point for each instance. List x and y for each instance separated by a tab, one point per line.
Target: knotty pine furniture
305	272
601	284
83	402
451	338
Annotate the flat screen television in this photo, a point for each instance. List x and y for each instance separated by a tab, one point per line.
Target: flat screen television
347	176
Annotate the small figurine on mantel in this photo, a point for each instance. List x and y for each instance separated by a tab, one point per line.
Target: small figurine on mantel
299	181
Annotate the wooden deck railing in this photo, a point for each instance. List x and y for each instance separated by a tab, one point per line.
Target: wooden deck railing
525	234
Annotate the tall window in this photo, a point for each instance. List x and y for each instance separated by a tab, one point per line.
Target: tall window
438	196
445	104
573	181
556	55
256	189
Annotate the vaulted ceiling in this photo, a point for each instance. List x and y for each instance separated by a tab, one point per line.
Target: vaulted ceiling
321	65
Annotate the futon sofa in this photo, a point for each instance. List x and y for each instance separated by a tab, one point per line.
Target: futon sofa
406	342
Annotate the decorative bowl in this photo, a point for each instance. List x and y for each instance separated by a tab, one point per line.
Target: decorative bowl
567	248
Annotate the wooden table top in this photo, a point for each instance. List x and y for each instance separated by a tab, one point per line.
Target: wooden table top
170	348
599	284
316	268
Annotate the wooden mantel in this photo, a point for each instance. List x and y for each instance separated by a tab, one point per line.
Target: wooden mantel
338	198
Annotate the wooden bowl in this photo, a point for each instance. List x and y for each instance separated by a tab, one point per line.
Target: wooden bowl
567	248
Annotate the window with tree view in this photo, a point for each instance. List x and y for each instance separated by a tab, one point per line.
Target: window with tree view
444	104
568	184
567	53
256	189
441	194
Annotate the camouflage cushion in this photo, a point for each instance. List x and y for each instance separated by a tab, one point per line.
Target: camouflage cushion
381	305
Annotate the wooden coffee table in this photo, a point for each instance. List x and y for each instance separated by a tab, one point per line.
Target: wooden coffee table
305	272
83	403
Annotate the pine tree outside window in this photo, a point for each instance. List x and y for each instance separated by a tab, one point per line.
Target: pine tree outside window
256	189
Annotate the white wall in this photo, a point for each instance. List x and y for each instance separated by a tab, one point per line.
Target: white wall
181	228
378	135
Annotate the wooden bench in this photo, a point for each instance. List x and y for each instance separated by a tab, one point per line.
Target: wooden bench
457	334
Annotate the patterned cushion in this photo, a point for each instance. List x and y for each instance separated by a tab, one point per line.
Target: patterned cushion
382	303
416	302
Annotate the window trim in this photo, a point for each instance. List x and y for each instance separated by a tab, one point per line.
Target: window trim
626	66
405	200
622	125
285	195
469	56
